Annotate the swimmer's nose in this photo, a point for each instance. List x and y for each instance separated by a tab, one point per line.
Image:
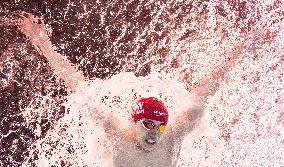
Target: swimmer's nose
150	141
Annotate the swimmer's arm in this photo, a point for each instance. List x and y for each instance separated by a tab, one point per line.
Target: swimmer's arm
35	30
185	122
62	66
114	128
207	86
210	83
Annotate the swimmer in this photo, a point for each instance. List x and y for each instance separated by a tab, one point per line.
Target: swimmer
149	140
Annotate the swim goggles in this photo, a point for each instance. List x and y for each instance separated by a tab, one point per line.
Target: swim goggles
149	125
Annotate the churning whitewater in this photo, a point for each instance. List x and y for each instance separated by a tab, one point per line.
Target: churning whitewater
94	102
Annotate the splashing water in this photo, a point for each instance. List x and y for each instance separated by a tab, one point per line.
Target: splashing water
243	121
92	103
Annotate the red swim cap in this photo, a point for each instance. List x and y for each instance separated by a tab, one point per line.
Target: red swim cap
150	108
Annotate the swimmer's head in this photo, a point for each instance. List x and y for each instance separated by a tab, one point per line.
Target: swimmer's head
150	116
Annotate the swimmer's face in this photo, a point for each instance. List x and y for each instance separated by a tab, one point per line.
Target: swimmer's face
148	133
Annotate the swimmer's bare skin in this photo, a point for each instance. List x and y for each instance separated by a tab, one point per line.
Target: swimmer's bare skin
38	33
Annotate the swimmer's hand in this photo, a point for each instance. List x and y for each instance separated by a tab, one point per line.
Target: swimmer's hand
38	33
32	26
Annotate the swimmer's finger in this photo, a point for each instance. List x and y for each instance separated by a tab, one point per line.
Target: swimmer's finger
33	27
23	20
36	23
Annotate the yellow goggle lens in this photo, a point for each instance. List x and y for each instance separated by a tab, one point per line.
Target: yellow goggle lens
162	128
